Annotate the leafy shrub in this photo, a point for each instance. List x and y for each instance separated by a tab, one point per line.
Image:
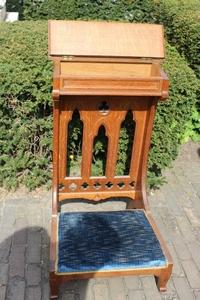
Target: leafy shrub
26	107
182	26
13	5
173	115
130	10
182	23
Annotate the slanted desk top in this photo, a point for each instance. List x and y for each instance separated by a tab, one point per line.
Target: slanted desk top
105	39
107	58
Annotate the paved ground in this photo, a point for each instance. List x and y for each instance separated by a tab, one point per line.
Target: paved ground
24	242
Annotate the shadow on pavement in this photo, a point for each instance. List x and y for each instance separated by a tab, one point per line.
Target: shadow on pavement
24	267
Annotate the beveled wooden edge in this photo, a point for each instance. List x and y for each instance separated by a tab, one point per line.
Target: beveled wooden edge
165	86
142	171
55	181
108	59
55	158
53	242
98	196
56	80
137	271
105	92
142	79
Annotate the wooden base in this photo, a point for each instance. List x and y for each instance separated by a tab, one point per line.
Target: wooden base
162	276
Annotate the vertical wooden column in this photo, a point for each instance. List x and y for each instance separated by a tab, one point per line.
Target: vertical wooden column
87	145
56	114
145	150
55	209
113	131
65	117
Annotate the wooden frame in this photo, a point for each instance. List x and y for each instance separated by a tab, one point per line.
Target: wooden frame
124	84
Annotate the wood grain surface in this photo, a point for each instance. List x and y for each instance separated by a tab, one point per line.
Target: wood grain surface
107	39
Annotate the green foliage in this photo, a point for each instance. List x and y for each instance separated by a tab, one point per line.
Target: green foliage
13	5
100	149
173	115
193	127
74	146
26	112
130	10
25	105
182	25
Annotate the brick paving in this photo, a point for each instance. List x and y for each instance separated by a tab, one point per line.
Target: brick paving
24	241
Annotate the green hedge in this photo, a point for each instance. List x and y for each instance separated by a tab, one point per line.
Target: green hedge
182	26
26	107
180	17
130	10
173	115
182	23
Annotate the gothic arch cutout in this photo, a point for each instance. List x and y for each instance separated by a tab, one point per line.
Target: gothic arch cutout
74	145
125	145
99	153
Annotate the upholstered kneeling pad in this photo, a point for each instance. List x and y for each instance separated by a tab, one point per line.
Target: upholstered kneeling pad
106	241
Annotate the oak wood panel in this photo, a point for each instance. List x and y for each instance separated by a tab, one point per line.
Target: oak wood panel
56	120
103	188
113	39
98	195
113	126
93	69
140	116
146	144
87	145
106	86
65	118
92	120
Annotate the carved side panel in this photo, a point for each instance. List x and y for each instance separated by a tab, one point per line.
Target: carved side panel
97	113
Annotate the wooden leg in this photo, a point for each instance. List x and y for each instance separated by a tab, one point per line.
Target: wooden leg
161	281
54	286
134	204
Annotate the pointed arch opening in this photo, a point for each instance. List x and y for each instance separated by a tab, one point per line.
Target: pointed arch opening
126	139
74	145
99	153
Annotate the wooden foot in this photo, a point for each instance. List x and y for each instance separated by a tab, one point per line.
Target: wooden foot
161	281
54	286
134	204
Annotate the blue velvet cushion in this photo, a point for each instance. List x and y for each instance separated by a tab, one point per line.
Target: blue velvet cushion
92	241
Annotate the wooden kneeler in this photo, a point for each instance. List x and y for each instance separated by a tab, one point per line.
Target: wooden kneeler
104	74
